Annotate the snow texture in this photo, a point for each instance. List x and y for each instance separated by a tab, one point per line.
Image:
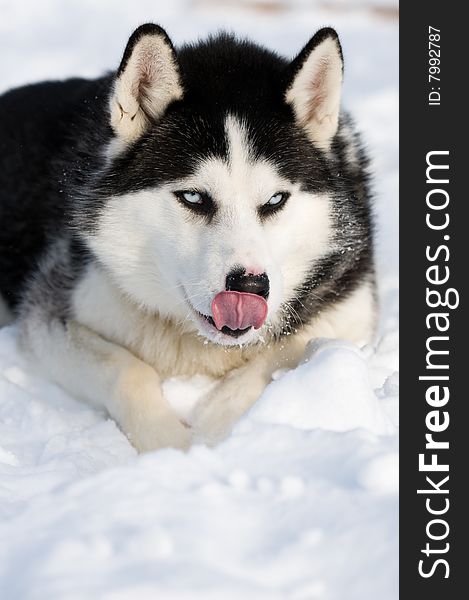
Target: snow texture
301	501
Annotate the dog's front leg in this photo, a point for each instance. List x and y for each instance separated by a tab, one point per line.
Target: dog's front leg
106	376
215	415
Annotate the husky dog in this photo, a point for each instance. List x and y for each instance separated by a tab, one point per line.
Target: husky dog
201	210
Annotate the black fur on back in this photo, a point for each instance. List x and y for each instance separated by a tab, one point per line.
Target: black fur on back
54	181
39	125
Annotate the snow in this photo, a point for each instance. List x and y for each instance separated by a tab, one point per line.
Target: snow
301	501
332	391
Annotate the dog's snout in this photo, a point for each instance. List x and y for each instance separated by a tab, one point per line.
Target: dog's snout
238	281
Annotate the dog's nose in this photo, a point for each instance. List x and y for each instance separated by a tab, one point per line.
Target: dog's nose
237	281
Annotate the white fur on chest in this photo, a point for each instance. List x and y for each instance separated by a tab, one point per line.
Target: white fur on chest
172	350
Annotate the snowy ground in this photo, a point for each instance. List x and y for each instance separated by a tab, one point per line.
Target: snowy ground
301	501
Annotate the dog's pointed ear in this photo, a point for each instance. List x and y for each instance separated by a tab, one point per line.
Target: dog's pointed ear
146	82
314	86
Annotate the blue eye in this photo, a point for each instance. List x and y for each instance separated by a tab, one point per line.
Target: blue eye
197	202
276	199
192	197
275	203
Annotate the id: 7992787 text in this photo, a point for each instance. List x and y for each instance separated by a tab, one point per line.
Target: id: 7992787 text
434	70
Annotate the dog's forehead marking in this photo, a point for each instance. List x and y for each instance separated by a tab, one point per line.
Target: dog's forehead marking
241	178
239	153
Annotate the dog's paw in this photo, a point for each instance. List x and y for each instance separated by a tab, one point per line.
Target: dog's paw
152	434
143	414
208	431
214	418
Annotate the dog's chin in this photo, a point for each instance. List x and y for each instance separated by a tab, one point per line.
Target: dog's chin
224	337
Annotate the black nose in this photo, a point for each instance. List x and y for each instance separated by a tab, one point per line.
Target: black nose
237	281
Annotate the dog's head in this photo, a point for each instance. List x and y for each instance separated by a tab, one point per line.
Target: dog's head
219	181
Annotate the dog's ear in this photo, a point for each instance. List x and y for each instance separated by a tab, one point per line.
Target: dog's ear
314	83
146	82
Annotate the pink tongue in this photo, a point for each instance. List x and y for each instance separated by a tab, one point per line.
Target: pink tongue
238	310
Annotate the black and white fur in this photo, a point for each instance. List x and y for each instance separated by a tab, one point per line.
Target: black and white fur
110	265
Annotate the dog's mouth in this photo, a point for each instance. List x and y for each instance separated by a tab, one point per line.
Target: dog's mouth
234	315
235	333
